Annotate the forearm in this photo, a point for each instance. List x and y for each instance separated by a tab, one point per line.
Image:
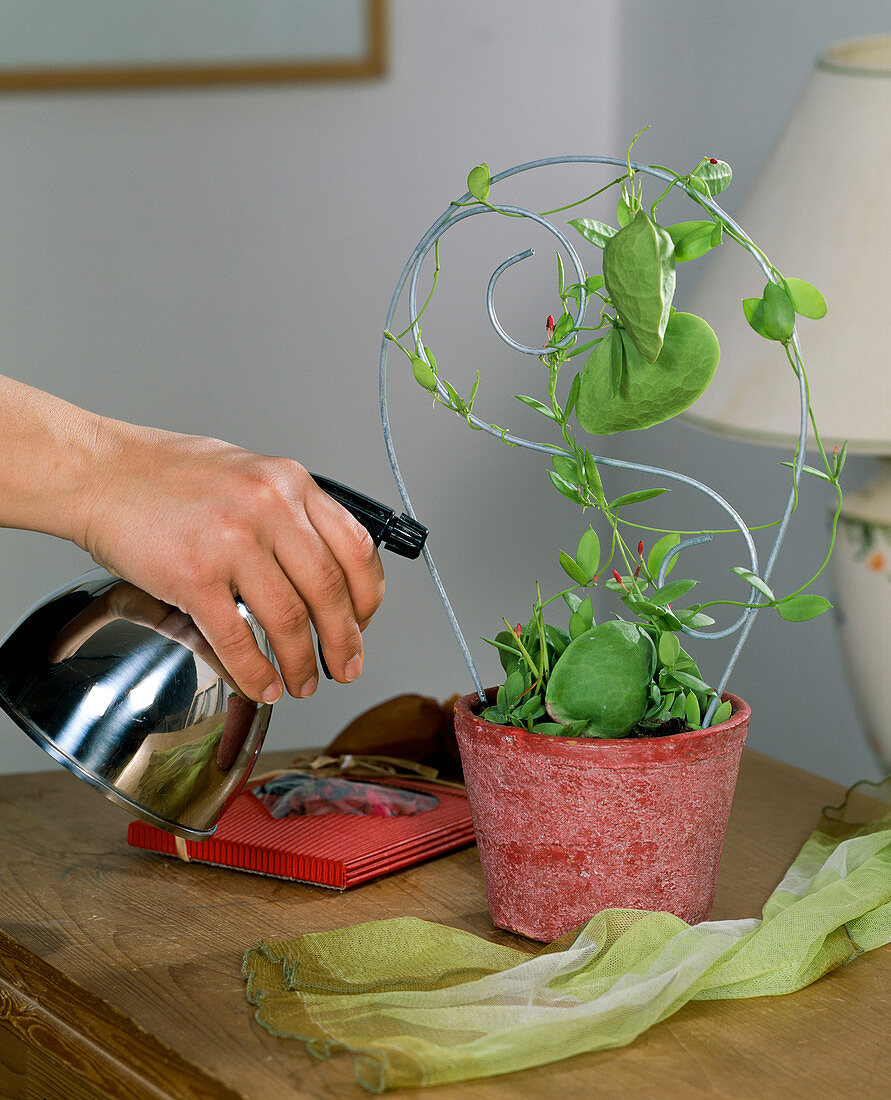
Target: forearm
50	454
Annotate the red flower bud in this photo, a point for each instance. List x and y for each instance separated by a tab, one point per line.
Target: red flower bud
640	548
550	326
518	630
713	160
835	451
617	576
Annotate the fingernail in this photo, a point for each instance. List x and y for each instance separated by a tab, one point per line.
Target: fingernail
353	668
309	687
272	694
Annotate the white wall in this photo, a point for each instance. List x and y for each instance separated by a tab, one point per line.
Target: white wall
221	261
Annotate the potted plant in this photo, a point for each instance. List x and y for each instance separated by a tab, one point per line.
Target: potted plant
600	772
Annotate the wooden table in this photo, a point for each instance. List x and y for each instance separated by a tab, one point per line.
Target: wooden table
121	970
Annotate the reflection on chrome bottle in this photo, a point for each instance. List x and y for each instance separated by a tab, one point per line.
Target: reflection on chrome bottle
127	693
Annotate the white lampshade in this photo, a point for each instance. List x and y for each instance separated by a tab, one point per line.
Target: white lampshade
820	208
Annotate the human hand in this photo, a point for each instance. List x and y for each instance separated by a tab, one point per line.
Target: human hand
196	521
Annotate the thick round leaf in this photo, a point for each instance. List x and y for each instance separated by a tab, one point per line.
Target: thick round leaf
651	392
638	267
715	174
603	680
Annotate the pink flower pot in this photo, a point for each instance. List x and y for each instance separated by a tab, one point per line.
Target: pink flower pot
569	826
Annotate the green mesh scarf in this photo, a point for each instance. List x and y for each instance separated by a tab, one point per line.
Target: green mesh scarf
417	1003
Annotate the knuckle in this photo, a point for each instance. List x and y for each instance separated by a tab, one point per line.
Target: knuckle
291	617
329	585
235	644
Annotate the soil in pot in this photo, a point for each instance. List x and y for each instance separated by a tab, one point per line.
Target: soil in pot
569	826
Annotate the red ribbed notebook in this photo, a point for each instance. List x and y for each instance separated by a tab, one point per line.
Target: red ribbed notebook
336	850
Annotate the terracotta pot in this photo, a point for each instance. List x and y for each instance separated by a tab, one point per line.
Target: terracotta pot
569	826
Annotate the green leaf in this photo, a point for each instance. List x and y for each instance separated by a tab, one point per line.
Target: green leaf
637	498
694	239
566	468
592	476
548	729
593	283
669	649
572	600
821	474
588	553
753	308
692	712
697	184
806	300
564	488
577	625
514	686
679	706
638	266
804	606
778	316
572	397
423	373
616	362
640	607
652	392
693	617
564	326
722	713
689	681
479	182
754	580
716	177
572	569
454	396
532	708
624	213
596	232
657	554
603	679
670	592
840	458
537	405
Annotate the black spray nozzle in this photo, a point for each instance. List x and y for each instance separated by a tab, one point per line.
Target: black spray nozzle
400	534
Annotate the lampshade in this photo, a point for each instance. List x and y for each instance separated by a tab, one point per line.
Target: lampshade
820	203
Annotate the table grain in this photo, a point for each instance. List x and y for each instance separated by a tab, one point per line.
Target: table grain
120	970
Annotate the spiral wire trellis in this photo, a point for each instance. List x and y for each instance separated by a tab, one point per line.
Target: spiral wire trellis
465	208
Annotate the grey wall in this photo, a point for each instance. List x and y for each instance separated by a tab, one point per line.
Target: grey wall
221	261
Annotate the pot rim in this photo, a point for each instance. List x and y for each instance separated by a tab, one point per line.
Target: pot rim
468	705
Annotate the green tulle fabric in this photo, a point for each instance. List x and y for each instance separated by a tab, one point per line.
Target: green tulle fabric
417	1003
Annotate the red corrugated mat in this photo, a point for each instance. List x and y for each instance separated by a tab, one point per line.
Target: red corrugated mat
336	850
